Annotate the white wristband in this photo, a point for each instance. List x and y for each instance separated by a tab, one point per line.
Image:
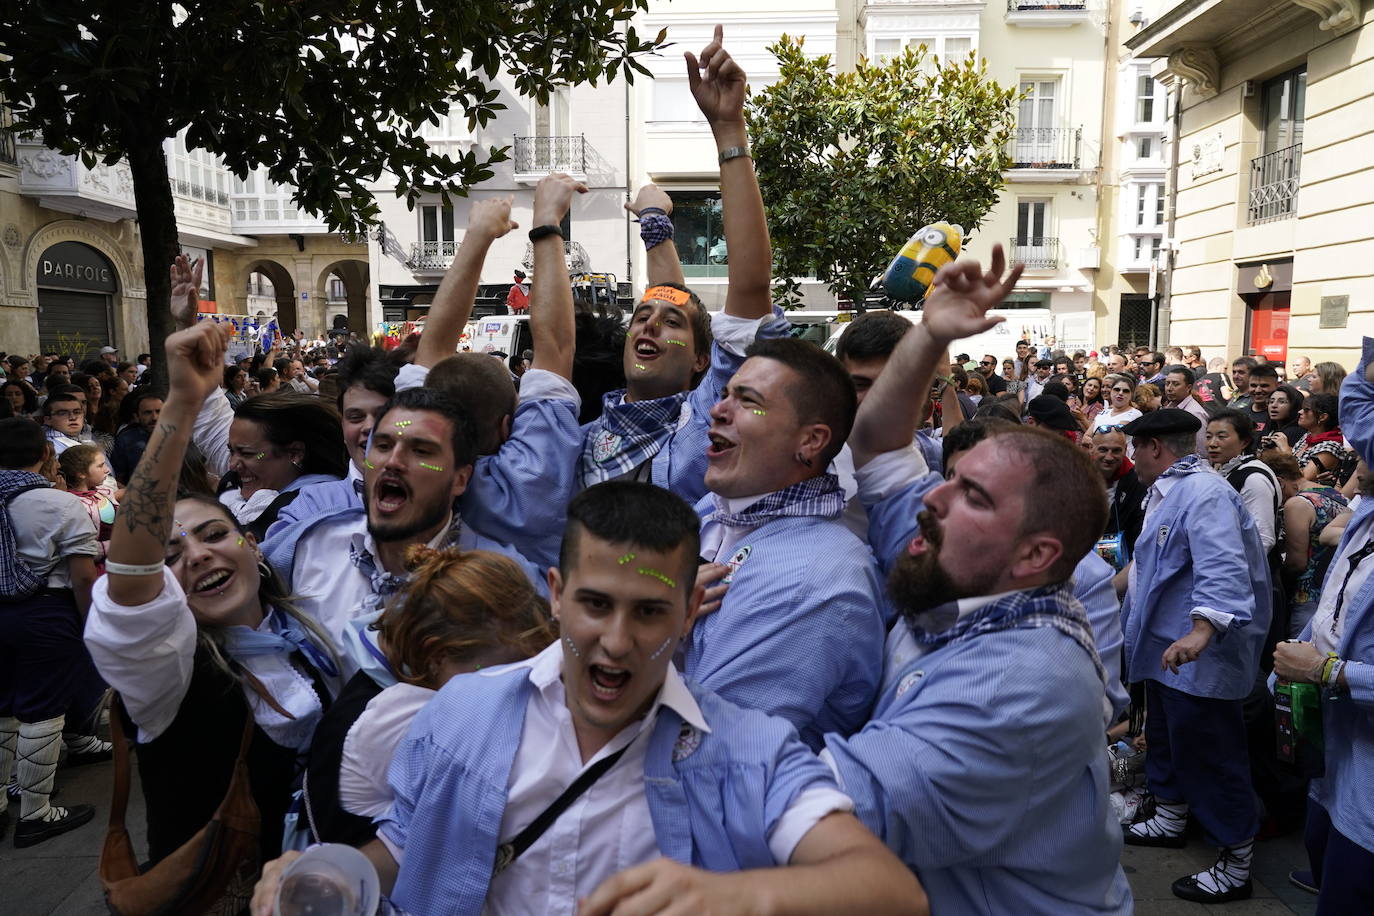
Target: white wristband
134	569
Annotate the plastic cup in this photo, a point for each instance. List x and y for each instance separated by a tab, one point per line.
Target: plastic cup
329	880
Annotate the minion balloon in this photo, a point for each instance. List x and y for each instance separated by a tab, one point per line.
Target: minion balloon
911	272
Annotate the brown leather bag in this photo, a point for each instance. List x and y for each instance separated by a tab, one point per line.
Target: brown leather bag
211	873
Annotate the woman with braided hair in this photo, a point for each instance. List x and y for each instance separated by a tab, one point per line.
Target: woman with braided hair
460	611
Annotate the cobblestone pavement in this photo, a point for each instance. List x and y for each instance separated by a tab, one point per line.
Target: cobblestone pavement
58	878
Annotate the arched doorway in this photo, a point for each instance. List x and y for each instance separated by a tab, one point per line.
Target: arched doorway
76	285
344	284
283	289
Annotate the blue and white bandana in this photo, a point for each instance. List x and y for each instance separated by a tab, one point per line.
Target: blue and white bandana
627	434
816	496
1048	606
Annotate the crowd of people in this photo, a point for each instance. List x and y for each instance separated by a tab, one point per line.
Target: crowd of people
683	614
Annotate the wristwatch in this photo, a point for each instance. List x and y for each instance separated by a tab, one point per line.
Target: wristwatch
732	152
539	232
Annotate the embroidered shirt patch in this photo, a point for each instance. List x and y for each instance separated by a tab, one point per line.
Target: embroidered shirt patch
606	445
688	740
908	682
735	562
1163	535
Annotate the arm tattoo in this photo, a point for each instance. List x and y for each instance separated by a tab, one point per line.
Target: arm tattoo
146	505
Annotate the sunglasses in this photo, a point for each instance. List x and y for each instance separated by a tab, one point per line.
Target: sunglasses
1121	391
1109	429
985	363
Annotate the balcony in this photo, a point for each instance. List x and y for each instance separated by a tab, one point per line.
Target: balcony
573	254
536	157
1046	14
1274	179
431	257
1037	253
64	183
1045	153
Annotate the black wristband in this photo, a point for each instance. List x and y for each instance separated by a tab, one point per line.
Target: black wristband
539	232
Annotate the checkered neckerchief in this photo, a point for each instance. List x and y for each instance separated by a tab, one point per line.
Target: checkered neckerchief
627	434
814	496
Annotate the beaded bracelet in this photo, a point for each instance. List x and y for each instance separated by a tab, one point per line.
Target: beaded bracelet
134	569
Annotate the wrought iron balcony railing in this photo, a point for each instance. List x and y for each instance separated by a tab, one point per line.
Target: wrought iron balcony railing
1046	147
1028	6
431	255
550	154
573	253
1274	180
1036	252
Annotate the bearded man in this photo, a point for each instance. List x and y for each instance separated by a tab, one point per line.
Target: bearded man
982	767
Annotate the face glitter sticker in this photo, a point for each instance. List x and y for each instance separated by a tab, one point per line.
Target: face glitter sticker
430	467
260	455
640	367
369	465
572	647
402	424
240	542
655	574
625	559
759	413
677	343
660	650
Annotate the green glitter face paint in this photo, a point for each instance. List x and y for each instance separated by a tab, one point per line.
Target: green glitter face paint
260	455
655	574
240	542
402	424
760	413
369	465
430	467
639	367
679	343
625	559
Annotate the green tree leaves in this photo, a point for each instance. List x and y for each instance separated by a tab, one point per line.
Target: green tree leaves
851	164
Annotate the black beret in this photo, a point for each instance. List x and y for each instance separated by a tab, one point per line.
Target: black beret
1048	410
1164	422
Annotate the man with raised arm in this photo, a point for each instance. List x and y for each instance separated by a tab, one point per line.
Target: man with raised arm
676	801
677	357
983	764
527	441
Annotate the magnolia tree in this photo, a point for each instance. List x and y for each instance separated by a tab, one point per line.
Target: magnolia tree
328	95
851	164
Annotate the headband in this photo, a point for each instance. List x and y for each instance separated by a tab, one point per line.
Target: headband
667	294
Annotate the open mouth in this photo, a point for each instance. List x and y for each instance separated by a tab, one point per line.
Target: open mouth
646	349
391	494
213	582
608	683
719	446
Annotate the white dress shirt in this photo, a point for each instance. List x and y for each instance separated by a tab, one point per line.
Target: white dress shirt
369	744
147	653
609	828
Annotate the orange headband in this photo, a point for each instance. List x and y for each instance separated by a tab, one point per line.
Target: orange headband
667	294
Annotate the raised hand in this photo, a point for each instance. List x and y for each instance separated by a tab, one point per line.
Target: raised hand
490	217
185	297
962	294
717	82
553	197
651	195
195	360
